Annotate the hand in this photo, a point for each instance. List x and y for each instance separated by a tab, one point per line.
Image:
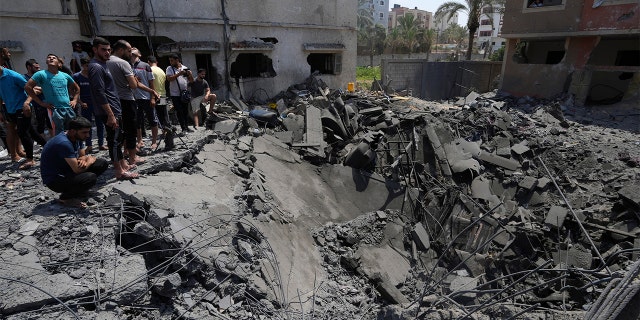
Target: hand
26	110
73	103
152	102
37	90
111	122
48	105
156	95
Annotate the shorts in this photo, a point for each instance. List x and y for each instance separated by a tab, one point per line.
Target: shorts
194	105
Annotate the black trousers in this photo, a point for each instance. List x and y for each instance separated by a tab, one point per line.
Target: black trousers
80	183
129	123
182	111
26	132
114	139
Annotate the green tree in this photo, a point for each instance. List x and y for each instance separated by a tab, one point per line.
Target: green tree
427	40
374	37
410	32
474	10
393	40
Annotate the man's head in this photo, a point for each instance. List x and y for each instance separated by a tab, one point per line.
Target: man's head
84	63
122	50
174	60
101	49
53	61
32	66
152	60
202	73
78	129
6	54
77	46
135	54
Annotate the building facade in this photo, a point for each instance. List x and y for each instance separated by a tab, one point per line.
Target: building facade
588	48
379	11
488	35
424	18
248	47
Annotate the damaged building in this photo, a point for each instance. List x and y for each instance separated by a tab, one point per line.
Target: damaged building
589	48
250	49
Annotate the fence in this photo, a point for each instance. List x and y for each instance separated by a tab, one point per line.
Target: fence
440	80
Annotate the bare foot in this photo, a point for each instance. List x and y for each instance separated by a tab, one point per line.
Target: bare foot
138	160
154	146
127	176
22	154
73	203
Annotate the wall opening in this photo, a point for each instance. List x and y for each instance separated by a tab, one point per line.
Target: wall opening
252	65
616	52
325	63
203	61
539	52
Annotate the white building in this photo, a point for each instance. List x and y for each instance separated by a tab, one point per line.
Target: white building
488	34
248	47
379	11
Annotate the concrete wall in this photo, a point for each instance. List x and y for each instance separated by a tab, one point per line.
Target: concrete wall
440	80
42	28
518	19
363	61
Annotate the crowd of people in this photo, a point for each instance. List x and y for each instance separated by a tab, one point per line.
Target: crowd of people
113	88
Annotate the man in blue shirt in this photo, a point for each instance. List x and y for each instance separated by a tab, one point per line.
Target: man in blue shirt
55	86
65	169
19	111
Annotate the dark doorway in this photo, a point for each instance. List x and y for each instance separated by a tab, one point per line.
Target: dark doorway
252	65
203	61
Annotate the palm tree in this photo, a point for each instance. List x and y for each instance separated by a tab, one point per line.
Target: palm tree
473	8
410	31
393	39
427	40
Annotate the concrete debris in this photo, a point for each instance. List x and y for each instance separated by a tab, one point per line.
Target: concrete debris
326	204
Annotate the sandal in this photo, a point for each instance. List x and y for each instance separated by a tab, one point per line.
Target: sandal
127	176
27	165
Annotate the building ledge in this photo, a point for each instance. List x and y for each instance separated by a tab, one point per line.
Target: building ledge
252	46
182	46
324	47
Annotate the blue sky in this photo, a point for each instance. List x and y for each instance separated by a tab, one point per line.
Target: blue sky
428	5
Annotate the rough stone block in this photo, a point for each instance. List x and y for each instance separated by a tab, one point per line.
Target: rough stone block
127	279
528	183
421	237
499	161
556	216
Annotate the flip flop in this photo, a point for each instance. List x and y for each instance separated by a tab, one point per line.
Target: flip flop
27	165
127	176
73	203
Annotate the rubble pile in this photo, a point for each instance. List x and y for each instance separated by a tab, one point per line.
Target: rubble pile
324	204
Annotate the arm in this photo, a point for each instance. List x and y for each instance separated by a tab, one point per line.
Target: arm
29	88
74	88
173	75
80	164
142	87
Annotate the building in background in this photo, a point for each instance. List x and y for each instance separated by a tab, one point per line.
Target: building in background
247	47
488	35
590	49
424	18
379	11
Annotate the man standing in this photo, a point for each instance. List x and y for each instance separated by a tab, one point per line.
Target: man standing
42	119
146	103
179	77
19	111
107	105
125	83
65	169
86	108
200	92
55	86
159	80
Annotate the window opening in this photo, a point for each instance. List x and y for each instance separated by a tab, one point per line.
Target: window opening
325	63
252	65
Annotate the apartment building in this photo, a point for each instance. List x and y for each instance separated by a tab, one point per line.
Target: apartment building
424	18
589	48
379	11
488	35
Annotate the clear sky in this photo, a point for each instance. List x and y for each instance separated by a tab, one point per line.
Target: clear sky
428	5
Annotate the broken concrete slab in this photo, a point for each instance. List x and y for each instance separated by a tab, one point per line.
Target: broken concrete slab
499	161
556	216
421	237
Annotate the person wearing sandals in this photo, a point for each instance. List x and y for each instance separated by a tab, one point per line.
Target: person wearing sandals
66	169
19	112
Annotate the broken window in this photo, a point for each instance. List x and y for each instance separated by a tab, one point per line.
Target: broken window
485	33
325	63
537	4
252	65
540	52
